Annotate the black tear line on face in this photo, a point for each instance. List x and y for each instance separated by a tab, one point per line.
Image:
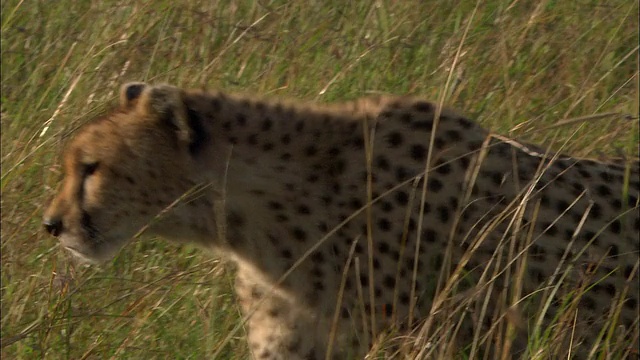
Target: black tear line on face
88	226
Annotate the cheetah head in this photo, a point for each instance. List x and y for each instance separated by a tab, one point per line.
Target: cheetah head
123	170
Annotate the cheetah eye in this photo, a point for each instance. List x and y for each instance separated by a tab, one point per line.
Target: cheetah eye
89	169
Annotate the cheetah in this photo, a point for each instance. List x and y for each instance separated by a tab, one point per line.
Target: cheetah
354	221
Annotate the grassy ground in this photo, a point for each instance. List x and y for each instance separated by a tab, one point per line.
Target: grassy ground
517	66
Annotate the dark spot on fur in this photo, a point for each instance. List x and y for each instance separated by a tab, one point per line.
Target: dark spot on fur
496	178
576	189
434	185
241	119
267	124
418	152
389	282
453	202
234	219
616	226
336	168
423	106
364	280
344	313
561	206
453	135
443	213
474	145
551	229
605	176
358	142
585	174
616	204
464	162
603	190
334	151
384	225
588	303
311	150
382	163
545	201
402	174
303	209
299	234
628	270
596	211
355	203
394	139
386	206
465	123
429	235
610	289
274	205
443	169
404	298
402	198
318	286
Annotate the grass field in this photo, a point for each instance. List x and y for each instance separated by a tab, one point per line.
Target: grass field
516	66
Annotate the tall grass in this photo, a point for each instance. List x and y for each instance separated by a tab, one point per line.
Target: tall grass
523	66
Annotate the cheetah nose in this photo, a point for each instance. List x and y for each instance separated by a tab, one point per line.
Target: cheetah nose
53	226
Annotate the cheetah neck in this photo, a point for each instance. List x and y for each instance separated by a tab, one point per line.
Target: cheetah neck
272	160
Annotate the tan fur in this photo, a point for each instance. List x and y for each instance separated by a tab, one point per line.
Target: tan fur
269	183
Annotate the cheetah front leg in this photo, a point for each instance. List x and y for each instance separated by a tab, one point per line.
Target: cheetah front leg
277	327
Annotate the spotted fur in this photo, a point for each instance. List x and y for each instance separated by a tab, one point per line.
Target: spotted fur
360	210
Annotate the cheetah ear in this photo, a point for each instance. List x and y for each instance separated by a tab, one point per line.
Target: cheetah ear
161	101
129	94
167	105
